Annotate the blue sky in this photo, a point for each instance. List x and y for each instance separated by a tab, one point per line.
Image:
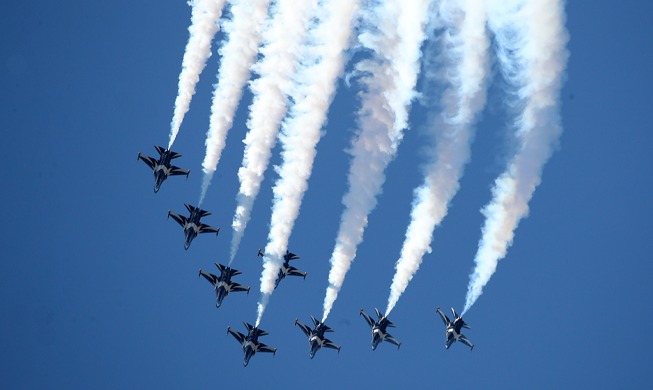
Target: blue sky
97	291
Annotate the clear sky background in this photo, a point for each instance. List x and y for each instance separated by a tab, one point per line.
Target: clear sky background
96	290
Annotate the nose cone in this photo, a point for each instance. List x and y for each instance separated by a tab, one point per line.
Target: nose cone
375	341
314	348
221	295
159	177
187	244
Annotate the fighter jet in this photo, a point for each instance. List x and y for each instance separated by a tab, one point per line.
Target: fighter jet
379	329
250	342
223	284
161	167
316	339
192	225
453	329
286	269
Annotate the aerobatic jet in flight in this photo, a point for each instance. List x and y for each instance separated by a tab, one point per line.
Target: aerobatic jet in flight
192	224
379	332
223	284
162	167
286	269
453	333
316	339
250	342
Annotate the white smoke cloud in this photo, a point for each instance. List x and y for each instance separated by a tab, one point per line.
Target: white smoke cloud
394	33
204	18
238	54
284	39
531	39
462	70
316	87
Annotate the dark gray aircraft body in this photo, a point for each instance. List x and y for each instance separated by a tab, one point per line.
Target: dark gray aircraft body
162	166
250	342
453	330
192	224
316	339
286	269
379	332
223	284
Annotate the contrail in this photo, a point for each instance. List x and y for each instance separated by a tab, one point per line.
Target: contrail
462	70
395	32
204	25
238	54
282	48
531	40
301	131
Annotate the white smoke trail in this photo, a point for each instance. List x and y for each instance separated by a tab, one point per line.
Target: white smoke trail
464	68
395	32
204	25
238	54
283	44
316	87
531	40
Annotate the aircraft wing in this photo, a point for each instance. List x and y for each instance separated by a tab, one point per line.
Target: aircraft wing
329	344
151	162
304	328
295	272
204	228
239	287
179	218
237	335
464	340
210	277
392	340
444	317
369	320
174	171
264	348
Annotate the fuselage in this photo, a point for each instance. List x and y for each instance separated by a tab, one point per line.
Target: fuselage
191	228
222	288
161	170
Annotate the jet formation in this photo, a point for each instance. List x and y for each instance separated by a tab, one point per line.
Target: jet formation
316	339
162	167
192	224
223	284
452	331
379	332
250	343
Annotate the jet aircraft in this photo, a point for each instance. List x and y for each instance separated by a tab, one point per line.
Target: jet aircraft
452	332
379	332
223	284
286	269
192	224
250	342
162	167
316	339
